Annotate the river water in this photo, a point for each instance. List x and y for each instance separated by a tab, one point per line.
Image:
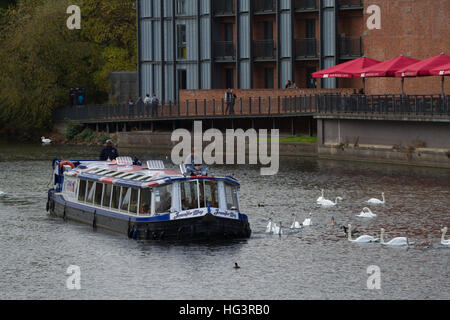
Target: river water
314	263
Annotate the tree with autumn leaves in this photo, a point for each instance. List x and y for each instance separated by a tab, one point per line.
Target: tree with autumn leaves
40	58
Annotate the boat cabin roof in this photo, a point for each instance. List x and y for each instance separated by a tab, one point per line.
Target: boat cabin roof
129	175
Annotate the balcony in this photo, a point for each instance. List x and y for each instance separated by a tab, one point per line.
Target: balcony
306	5
350	4
350	47
223	7
264	49
306	49
263	6
224	51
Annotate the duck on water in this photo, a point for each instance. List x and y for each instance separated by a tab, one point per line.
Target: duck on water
147	202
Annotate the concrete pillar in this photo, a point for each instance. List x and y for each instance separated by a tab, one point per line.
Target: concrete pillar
117	127
107	128
124	127
320	132
97	128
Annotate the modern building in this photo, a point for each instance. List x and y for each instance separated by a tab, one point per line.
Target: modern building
247	44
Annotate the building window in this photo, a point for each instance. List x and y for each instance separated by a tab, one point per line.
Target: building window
181	7
310	81
268	30
229	78
181	41
182	79
310	28
228	27
268	78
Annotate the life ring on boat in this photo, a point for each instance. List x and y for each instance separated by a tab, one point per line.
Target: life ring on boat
66	163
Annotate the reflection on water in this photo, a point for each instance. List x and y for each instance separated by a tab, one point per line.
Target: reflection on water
313	263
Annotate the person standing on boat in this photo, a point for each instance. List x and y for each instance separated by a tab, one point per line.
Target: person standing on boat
109	152
194	165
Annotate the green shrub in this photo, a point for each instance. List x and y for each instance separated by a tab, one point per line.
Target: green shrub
72	130
86	135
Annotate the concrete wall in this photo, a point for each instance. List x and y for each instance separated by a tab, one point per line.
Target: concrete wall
434	135
412	142
419	29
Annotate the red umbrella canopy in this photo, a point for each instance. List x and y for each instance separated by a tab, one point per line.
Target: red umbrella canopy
388	68
424	67
441	71
350	69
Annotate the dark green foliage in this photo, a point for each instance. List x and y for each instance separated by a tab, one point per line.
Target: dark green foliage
40	58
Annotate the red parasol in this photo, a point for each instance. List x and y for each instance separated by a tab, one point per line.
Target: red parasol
350	69
423	68
441	71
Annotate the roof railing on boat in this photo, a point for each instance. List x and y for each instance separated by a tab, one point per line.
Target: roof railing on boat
155	165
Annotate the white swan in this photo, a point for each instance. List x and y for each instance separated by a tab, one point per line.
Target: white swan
319	199
45	141
329	203
278	230
367	213
295	223
443	241
362	239
400	241
308	221
2	193
269	228
377	201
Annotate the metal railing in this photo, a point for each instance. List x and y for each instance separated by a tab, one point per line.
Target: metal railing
224	50
350	4
306	5
264	49
428	106
350	46
411	105
306	48
223	7
264	5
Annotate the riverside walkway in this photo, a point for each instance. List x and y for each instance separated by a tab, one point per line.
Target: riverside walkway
383	107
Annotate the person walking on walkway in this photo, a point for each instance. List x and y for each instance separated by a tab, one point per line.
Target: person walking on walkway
155	103
233	101
228	100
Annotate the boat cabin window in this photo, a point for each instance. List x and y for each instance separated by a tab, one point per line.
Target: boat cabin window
163	199
107	196
91	190
82	191
210	194
189	195
134	200
115	198
231	197
146	200
98	194
125	200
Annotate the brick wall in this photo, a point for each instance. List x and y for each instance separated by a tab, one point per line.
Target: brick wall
419	29
219	94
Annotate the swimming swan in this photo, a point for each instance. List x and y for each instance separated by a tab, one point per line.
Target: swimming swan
377	201
443	241
362	239
319	199
45	141
308	221
367	213
400	241
329	203
295	223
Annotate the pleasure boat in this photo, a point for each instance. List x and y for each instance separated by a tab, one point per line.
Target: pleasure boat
147	202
